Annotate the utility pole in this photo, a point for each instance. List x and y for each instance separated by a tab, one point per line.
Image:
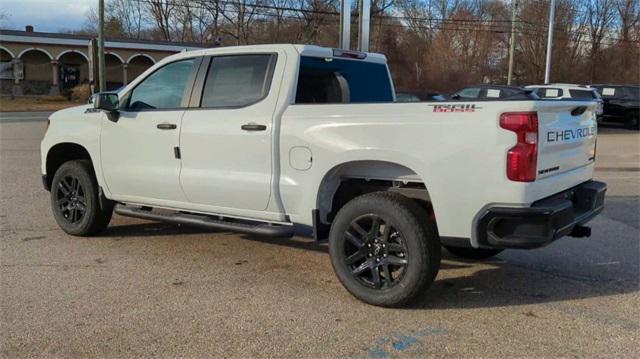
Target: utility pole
364	9
345	24
512	49
547	70
101	73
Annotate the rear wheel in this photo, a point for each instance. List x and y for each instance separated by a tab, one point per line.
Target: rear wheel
473	253
384	249
75	202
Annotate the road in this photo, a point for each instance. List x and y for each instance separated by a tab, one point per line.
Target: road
10	117
151	289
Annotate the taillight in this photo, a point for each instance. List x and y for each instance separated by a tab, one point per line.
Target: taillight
522	159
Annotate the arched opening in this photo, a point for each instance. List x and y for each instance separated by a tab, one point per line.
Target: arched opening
137	65
114	71
73	69
6	71
37	70
5	55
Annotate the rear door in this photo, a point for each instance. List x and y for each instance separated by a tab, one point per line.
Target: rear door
226	141
567	136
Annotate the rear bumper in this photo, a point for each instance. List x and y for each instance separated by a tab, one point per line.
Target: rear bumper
545	221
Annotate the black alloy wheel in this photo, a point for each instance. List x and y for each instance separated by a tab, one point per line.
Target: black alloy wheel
375	252
70	199
384	249
75	199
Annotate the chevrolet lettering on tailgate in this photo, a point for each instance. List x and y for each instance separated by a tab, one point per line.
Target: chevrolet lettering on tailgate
571	134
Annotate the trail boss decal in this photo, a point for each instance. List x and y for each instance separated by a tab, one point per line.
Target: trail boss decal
566	135
458	107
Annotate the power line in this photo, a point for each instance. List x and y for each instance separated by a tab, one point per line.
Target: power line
435	24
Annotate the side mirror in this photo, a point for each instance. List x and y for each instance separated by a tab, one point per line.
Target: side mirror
109	103
455	97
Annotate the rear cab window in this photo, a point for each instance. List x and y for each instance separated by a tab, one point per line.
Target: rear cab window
331	80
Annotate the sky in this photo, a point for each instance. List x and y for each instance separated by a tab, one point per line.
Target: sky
45	15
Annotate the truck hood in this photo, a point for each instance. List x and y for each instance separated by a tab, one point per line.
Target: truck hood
71	112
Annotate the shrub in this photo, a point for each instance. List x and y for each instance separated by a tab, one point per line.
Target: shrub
81	93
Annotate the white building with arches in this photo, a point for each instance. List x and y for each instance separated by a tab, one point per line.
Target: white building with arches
37	63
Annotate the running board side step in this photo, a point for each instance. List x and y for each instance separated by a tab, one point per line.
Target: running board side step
200	220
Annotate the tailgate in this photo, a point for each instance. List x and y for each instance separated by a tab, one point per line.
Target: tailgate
567	136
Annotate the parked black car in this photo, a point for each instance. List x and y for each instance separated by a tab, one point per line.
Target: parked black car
621	104
418	96
492	93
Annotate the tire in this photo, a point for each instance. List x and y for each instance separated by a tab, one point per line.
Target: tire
473	253
74	200
395	267
632	122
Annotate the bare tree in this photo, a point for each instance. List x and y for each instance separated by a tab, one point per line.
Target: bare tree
208	18
161	12
130	14
430	44
599	17
629	13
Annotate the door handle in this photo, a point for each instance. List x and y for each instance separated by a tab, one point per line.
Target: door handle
253	127
166	126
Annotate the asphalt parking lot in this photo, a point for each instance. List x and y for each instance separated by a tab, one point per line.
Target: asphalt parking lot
151	289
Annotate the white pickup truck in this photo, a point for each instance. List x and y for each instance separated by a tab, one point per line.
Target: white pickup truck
280	140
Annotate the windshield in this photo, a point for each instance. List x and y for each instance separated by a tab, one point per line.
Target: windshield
582	94
548	92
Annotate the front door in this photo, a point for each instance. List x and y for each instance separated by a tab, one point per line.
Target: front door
226	144
139	157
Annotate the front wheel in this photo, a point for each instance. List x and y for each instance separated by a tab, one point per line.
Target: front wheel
75	202
384	249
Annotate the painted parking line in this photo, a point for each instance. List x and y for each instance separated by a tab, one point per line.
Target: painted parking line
396	343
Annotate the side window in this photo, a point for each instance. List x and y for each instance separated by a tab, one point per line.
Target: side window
472	92
234	81
163	89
